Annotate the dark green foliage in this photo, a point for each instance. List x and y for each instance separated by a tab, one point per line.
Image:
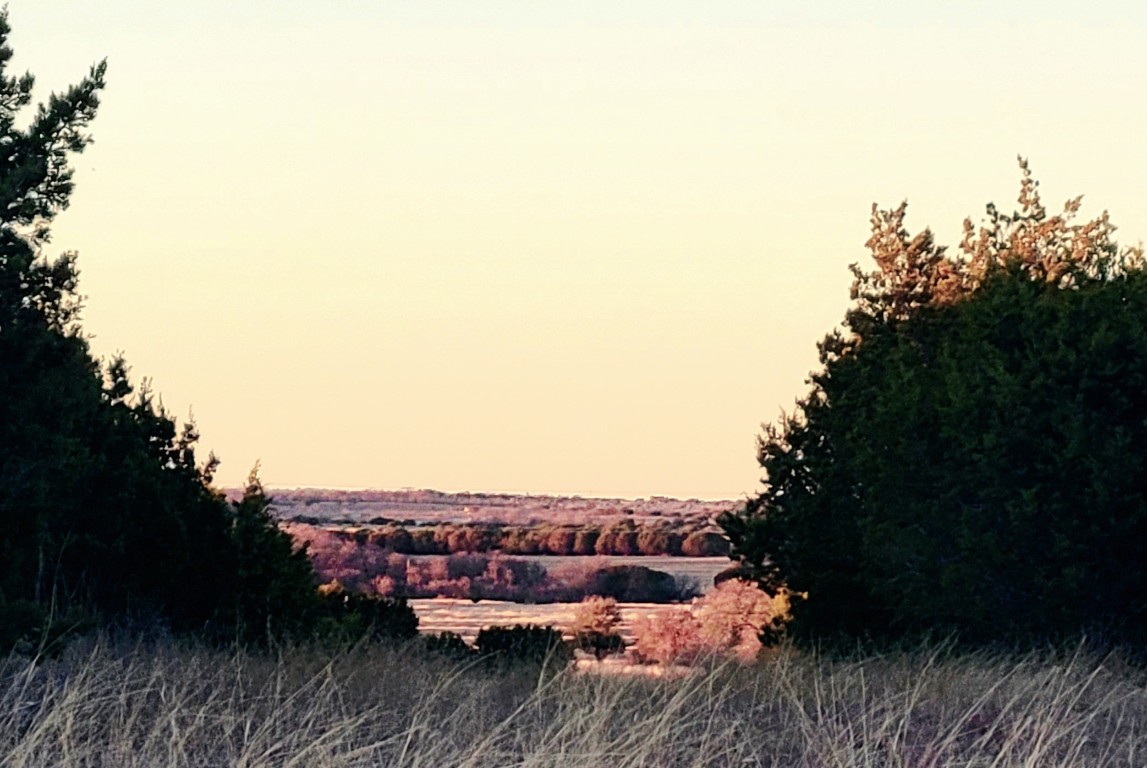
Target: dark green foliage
273	585
450	645
971	465
600	644
632	584
524	644
351	616
36	629
104	509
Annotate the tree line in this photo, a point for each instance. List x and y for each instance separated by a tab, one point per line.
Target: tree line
624	538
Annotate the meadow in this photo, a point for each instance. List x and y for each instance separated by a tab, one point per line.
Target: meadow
115	703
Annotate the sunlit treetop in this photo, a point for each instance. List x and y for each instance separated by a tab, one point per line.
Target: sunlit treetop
914	271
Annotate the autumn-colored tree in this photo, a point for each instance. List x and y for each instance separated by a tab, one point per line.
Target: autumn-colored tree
734	616
652	541
669	636
560	541
585	541
705	544
595	626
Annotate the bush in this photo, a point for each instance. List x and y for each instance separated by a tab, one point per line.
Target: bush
619	539
585	541
470	566
705	544
671	636
632	584
524	644
735	617
732	619
595	626
30	628
393	538
652	541
561	541
450	645
350	617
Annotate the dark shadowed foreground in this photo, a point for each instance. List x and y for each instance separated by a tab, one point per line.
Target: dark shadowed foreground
104	704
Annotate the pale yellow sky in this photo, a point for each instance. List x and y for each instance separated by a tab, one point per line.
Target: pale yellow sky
541	246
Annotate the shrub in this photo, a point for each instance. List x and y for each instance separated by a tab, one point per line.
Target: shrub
450	645
561	541
424	542
393	538
27	627
632	584
618	539
734	617
600	645
471	566
350	616
520	541
595	625
652	541
705	544
667	637
524	644
585	541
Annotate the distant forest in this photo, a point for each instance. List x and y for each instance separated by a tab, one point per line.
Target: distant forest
623	538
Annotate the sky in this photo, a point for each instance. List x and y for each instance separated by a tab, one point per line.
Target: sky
540	247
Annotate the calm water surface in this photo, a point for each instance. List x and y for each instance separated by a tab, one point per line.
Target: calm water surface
466	618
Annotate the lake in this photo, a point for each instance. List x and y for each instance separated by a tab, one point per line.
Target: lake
700	569
466	618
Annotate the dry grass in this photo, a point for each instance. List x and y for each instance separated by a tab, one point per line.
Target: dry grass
162	704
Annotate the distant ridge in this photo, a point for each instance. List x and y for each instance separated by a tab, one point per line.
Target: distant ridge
426	504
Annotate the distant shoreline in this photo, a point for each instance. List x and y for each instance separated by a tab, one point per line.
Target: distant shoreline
409	494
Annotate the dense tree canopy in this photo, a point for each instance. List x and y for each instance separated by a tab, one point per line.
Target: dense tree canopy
969	458
105	510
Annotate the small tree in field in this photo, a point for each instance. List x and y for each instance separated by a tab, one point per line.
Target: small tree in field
734	616
731	619
595	626
671	636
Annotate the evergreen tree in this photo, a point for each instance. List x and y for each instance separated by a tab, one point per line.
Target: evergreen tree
103	505
50	389
968	459
274	584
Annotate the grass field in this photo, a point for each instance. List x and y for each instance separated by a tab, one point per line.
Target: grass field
160	703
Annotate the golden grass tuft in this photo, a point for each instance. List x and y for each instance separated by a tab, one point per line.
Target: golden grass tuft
107	703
